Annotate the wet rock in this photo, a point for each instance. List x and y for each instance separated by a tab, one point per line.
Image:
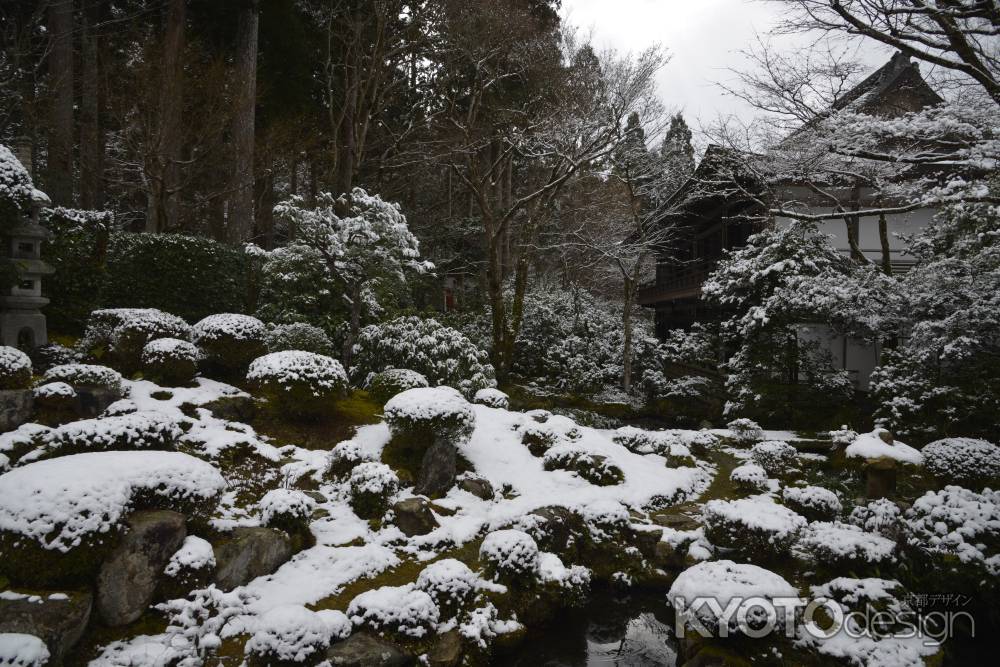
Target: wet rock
646	539
248	553
447	650
676	518
557	529
92	401
58	619
16	407
477	486
127	580
414	517
364	650
437	470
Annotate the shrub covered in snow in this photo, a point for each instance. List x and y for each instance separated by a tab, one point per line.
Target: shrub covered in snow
538	438
699	442
21	650
130	336
298	336
678	456
344	457
431	414
136	431
15	368
372	485
755	527
881	516
774	456
606	520
749	477
230	341
963	461
639	441
288	634
85	376
726	581
286	509
957	530
46	356
303	384
405	610
191	567
492	398
843	436
451	584
16	189
441	354
745	431
843	547
392	381
57	397
509	556
813	502
170	361
594	468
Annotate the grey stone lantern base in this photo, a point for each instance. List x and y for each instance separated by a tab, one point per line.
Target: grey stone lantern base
23	329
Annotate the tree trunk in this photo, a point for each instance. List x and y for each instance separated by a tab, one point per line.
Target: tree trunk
91	132
59	173
883	237
171	113
355	328
346	144
629	294
241	215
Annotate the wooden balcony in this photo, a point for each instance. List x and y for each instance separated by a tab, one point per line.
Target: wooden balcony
681	283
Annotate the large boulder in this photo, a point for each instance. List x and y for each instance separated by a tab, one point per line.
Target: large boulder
248	553
365	650
16	407
128	578
58	619
414	516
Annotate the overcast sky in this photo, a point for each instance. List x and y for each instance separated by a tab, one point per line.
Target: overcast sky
704	37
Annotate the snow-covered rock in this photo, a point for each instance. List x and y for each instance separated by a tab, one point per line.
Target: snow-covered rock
813	502
871	446
406	610
755	527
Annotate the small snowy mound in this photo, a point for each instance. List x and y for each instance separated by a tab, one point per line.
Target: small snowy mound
230	341
20	650
756	527
139	430
492	398
450	583
285	508
724	581
745	431
440	413
61	502
856	593
573	580
344	457
749	477
406	610
383	386
956	522
639	441
843	436
962	461
15	368
880	516
538	437
699	442
774	456
509	554
372	484
170	361
85	375
299	382
839	545
195	554
872	446
813	502
594	468
54	391
605	519
289	633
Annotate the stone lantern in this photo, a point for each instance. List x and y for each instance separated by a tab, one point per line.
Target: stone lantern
22	323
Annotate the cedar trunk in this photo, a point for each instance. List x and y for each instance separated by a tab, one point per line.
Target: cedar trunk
241	215
59	174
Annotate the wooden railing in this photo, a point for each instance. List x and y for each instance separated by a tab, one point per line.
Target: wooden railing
680	283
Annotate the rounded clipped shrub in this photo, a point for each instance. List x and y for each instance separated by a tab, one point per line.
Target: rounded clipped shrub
55	397
441	354
813	502
372	484
86	376
288	634
509	555
594	468
492	398
757	527
130	337
230	341
46	356
192	566
392	381
699	442
450	583
431	414
639	441
749	477
302	384
136	431
963	461
774	456
15	368
841	546
404	610
745	431
881	516
298	336
344	457
170	361
286	509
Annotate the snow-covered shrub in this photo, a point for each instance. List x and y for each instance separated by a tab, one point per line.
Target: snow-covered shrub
288	634
441	354
699	442
450	583
725	581
191	567
813	502
843	547
298	336
46	356
55	396
606	520
683	374
129	338
302	384
745	431
430	414
344	457
170	361
679	456
137	431
392	381
286	509
843	436
962	461
749	477
492	398
509	555
756	527
296	286
21	650
404	610
26	437
15	368
594	468
957	529
122	406
881	516
774	456
538	438
86	376
16	189
639	441
230	341
372	485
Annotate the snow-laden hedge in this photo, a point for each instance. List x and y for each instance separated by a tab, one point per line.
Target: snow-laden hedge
404	610
431	414
594	468
492	398
745	431
344	457
230	341
289	634
755	527
130	336
774	456
392	381
372	484
509	555
957	527
749	477
443	355
136	431
15	368
300	383
170	361
287	509
85	376
451	584
298	336
881	516
813	502
962	461
844	547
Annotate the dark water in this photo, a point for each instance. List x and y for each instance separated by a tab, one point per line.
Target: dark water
611	631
